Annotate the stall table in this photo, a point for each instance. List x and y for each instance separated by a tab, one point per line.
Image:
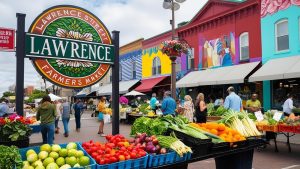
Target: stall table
236	158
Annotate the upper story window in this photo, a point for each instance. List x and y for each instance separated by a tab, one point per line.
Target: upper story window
282	35
244	46
156	66
133	70
120	72
191	56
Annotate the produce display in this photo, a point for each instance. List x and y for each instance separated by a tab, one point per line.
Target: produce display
174	144
10	157
240	122
116	149
149	144
55	157
221	131
212	111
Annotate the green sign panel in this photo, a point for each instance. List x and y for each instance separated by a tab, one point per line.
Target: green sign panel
41	46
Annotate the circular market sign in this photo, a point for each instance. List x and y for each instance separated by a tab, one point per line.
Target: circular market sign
70	46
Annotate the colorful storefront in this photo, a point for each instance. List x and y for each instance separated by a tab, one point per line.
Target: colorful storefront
224	34
280	25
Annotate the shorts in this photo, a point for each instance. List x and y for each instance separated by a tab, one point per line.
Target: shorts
100	116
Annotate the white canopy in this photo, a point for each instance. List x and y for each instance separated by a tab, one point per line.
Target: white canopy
84	92
274	69
54	97
124	87
216	76
134	93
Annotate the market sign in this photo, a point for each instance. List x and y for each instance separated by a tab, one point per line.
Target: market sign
70	46
7	39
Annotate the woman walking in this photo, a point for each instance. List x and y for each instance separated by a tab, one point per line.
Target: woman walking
201	110
188	108
101	109
65	115
46	113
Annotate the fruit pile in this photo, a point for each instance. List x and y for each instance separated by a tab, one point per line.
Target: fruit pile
149	144
225	133
116	149
55	157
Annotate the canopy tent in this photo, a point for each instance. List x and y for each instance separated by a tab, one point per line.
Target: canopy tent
134	93
147	84
54	97
283	68
124	87
217	76
83	92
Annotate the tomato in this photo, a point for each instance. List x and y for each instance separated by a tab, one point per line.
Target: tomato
107	150
142	153
107	155
129	148
94	155
94	149
112	152
102	161
120	144
100	151
89	151
121	157
118	140
126	143
132	155
108	137
114	159
98	158
110	145
127	157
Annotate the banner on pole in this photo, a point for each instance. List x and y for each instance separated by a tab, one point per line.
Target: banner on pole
7	39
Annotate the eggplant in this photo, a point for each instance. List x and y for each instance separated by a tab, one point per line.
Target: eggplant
148	139
143	136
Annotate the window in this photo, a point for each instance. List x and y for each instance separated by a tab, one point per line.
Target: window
282	35
156	66
120	72
244	46
190	64
133	70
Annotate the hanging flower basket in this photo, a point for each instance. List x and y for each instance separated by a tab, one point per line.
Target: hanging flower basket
174	48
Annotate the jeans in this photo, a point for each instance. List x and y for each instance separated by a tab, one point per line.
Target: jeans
47	131
56	122
66	124
77	120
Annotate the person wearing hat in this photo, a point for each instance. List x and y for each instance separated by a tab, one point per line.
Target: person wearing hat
233	101
168	105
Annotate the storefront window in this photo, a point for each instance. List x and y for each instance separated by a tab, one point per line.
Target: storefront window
282	35
156	66
190	59
244	46
280	90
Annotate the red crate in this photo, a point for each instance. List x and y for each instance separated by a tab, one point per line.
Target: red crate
286	128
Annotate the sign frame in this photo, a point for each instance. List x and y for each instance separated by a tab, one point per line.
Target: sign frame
13	49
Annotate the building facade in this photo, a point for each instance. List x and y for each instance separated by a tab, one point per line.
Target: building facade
280	27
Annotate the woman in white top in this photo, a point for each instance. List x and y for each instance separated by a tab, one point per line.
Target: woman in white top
288	105
188	108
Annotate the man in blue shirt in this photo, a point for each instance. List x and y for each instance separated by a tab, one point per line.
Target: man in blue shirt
153	101
4	108
168	105
233	101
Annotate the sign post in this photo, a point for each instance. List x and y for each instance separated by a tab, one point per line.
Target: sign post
20	54
115	86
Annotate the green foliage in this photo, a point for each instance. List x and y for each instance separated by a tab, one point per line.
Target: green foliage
14	130
36	94
7	94
10	157
77	25
141	125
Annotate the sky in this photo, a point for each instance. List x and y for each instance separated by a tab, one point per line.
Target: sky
133	18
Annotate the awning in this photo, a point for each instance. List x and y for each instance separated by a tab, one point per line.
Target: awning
82	93
147	84
274	69
124	87
217	76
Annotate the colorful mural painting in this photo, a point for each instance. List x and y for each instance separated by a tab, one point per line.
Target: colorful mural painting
273	6
217	52
127	67
147	62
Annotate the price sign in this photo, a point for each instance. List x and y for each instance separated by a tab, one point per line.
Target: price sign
7	39
277	116
259	116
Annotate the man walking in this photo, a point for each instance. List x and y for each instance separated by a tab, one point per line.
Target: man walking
168	105
77	108
233	101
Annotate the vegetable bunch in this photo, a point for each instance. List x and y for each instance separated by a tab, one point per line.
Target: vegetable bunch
173	143
10	157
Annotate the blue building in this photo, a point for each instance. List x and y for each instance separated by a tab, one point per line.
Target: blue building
280	73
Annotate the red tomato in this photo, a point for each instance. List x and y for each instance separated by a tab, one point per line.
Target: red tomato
102	162
108	137
110	145
127	157
100	151
98	158
121	157
113	152
113	159
107	155
107	150
132	155
94	149
120	144
94	155
118	139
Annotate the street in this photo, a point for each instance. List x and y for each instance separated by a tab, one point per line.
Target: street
265	159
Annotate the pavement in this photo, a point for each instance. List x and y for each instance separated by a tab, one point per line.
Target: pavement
264	159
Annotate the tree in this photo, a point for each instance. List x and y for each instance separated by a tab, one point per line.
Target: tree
36	94
7	94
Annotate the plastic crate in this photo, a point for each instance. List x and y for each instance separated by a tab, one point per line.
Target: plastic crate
161	159
139	163
272	128
239	144
19	143
35	128
185	157
37	150
286	128
220	147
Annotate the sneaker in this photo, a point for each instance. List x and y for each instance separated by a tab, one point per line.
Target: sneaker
102	135
66	134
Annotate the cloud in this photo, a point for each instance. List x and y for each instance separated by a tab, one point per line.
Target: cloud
133	18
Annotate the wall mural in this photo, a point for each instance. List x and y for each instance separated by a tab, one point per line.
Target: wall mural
217	52
273	6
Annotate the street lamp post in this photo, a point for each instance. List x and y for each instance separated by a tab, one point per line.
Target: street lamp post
174	6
